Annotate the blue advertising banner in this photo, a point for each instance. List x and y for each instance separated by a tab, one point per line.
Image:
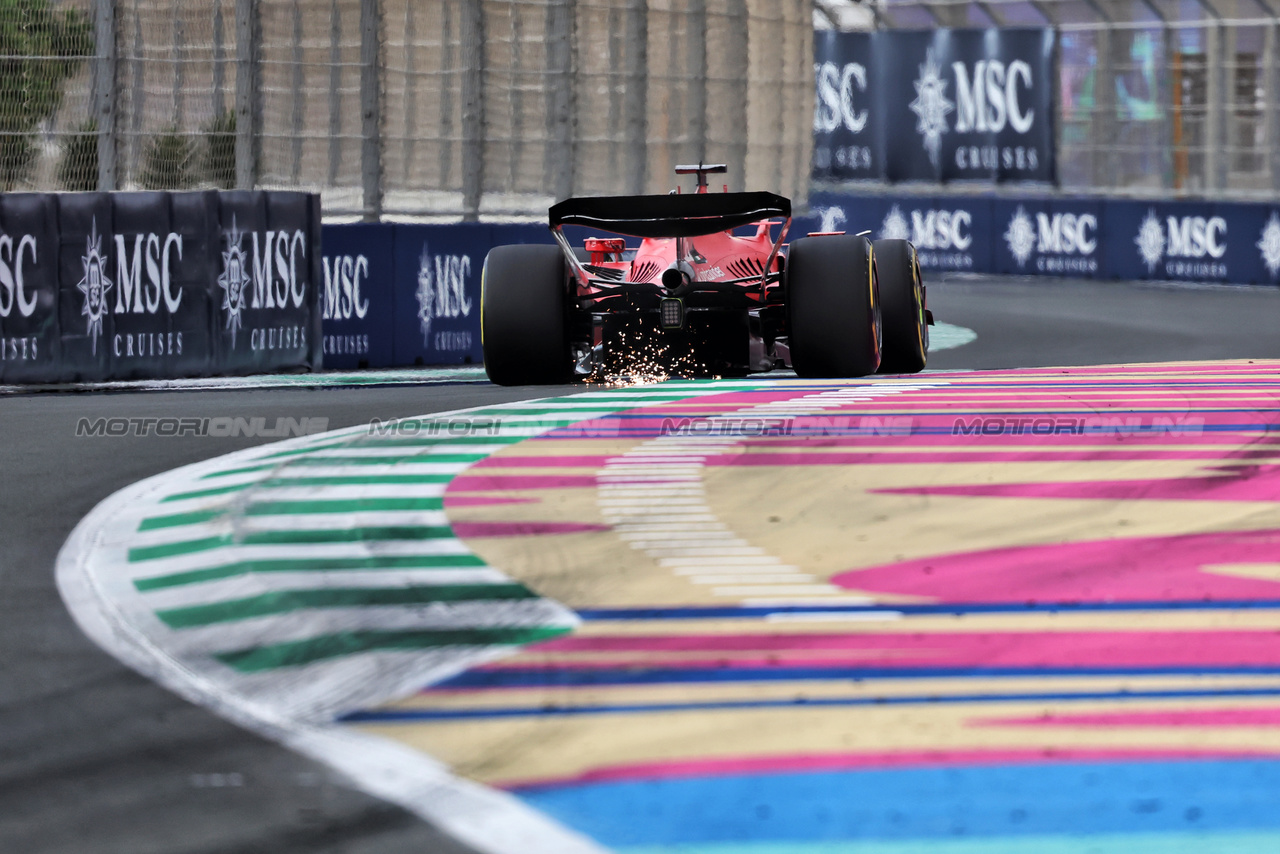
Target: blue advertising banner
29	344
848	129
97	286
358	303
957	105
1051	237
1176	241
437	293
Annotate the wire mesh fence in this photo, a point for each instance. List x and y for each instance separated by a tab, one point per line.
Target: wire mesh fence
1174	97
398	107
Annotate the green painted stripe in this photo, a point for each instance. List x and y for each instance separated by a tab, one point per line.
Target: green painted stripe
264	538
246	567
559	412
175	520
396	439
294	653
349	505
209	493
287	601
141	553
339	480
280	508
354	461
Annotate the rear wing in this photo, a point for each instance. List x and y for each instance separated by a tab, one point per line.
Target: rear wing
681	215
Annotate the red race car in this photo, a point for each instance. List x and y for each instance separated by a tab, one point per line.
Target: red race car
694	299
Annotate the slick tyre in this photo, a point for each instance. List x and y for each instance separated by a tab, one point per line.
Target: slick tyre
523	328
906	334
833	311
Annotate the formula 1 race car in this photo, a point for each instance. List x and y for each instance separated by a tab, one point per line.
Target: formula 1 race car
694	299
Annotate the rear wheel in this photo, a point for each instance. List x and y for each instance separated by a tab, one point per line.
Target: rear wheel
833	311
906	335
523	329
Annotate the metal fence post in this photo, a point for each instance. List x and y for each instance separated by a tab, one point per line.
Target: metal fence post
104	90
1272	114
471	37
1168	46
697	80
1215	138
371	108
248	88
636	102
738	70
561	119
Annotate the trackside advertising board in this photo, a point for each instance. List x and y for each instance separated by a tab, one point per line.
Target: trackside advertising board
935	105
402	294
1070	237
97	286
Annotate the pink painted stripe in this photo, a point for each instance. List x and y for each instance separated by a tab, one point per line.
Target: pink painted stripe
1111	570
932	457
559	461
1243	717
475	530
905	439
801	763
1237	483
501	483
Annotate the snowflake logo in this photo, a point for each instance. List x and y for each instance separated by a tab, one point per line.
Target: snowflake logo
234	281
1150	240
94	285
931	107
1269	244
895	225
832	218
1021	236
426	295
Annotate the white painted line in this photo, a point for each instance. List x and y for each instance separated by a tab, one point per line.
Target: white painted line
717	561
739	569
783	578
230	554
779	590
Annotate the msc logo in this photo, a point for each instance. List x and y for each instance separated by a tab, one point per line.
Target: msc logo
835	103
131	294
987	98
13	287
1065	241
342	278
1194	237
442	289
934	229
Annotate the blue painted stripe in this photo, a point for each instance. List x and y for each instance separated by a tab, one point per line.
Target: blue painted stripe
1077	800
517	677
1232	842
409	715
728	612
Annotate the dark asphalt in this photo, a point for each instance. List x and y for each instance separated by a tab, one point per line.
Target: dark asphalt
94	758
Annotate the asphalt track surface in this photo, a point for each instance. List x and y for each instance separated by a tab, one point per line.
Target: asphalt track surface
94	758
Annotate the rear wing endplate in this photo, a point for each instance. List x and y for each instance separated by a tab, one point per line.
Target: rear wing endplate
680	215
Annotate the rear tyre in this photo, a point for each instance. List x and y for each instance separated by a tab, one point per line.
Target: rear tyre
906	334
523	328
833	311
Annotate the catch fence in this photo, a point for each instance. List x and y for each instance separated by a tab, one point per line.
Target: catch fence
403	108
1164	97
